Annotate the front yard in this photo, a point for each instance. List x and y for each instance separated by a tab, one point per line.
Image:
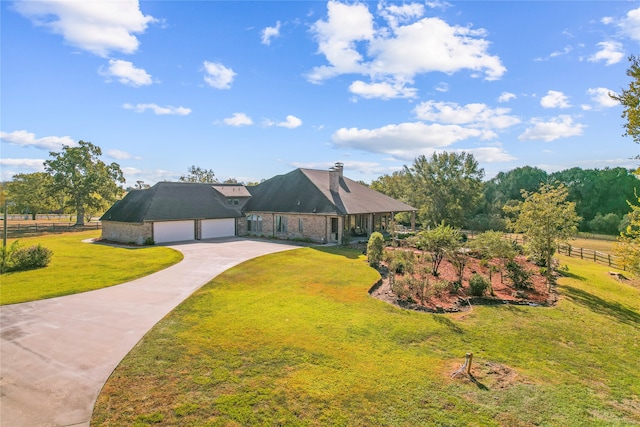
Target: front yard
294	339
79	267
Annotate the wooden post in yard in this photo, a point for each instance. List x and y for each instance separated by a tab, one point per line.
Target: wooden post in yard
469	359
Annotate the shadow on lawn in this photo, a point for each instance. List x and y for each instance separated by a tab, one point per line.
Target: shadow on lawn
601	306
445	321
339	250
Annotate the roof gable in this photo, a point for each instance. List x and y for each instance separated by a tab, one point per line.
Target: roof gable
309	191
171	201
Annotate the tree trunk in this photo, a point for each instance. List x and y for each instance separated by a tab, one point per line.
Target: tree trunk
79	214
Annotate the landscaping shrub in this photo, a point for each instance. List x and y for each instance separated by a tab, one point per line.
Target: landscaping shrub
478	285
520	277
16	258
401	262
375	248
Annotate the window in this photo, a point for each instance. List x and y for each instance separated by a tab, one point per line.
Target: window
300	225
281	224
254	223
233	202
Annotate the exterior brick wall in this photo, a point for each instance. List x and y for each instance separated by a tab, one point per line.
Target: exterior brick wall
126	232
314	227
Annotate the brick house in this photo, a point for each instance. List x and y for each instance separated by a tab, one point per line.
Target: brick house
319	205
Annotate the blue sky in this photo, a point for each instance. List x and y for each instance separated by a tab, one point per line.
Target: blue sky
255	89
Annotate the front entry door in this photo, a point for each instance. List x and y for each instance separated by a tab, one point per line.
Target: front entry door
334	229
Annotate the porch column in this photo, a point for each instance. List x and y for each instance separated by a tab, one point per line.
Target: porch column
413	220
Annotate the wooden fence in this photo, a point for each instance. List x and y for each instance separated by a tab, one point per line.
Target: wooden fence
570	251
591	255
23	230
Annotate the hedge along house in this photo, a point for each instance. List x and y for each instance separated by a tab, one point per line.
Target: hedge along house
175	211
320	205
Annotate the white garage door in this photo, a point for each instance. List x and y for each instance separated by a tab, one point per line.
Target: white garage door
218	228
173	231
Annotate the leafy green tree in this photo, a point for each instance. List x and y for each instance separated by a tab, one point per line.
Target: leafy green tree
446	187
198	174
546	218
89	183
598	191
439	242
397	186
628	245
605	224
630	100
31	193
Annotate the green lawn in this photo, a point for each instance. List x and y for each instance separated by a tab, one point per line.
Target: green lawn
294	339
79	267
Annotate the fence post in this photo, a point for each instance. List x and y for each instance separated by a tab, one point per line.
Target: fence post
580	253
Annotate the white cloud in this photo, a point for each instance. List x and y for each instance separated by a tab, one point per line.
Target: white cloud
394	54
555	99
384	90
474	115
95	26
168	110
366	168
27	139
404	140
11	167
400	14
558	127
291	122
489	154
270	33
126	73
611	52
600	95
120	155
630	25
217	75
238	119
337	37
506	97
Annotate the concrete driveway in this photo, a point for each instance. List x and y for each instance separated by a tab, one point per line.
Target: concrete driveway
56	354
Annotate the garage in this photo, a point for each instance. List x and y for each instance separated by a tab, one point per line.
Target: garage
173	231
223	227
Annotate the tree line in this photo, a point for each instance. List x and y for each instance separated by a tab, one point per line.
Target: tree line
450	187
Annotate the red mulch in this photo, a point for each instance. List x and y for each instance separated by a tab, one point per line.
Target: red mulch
503	290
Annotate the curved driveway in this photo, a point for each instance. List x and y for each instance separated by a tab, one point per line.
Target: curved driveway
56	354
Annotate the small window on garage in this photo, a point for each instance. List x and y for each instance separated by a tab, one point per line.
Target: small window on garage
300	225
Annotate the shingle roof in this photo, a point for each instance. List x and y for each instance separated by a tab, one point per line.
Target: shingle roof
232	190
308	191
171	201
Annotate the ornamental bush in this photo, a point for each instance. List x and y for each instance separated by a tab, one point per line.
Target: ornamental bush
16	258
375	249
478	285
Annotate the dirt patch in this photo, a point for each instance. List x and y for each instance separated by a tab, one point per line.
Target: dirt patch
488	375
503	290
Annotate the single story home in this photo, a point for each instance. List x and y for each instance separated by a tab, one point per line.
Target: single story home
318	205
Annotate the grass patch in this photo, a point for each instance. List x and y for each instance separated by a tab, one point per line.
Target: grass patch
79	267
294	339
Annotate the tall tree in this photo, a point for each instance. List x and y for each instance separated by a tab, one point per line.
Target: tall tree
31	193
630	100
546	218
628	246
446	187
198	174
89	183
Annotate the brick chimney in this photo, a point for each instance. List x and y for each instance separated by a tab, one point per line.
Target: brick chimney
335	173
